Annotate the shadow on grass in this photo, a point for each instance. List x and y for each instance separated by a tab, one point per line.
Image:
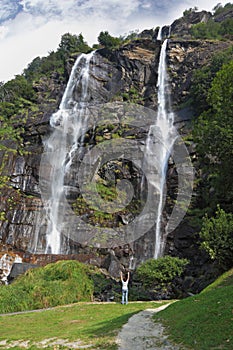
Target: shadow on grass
109	327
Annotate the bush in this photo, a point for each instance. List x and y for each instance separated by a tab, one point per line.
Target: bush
55	284
217	236
161	272
209	30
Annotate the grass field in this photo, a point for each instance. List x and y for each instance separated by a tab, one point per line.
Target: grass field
201	322
95	324
204	321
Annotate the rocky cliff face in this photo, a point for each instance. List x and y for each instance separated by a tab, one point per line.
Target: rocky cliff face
184	57
181	27
127	74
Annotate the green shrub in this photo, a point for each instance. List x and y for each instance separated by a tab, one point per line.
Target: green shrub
160	272
209	30
217	236
55	284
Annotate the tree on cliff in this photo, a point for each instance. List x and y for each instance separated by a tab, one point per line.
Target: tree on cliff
108	41
72	44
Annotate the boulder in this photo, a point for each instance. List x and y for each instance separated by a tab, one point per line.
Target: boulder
19	269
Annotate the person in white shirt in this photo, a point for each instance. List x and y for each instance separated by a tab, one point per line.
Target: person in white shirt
125	281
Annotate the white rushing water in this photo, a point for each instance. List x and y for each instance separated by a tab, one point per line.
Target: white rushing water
69	124
159	35
160	140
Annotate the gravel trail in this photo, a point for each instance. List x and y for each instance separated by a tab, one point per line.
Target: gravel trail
142	333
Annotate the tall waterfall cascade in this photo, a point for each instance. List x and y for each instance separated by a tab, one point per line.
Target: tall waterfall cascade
69	126
159	144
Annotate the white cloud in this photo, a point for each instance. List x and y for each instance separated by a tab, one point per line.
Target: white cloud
8	9
203	4
39	26
74	7
146	5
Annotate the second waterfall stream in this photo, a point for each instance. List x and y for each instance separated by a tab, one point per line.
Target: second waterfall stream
159	144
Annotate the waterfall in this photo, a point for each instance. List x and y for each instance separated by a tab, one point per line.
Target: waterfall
69	124
63	148
158	147
159	36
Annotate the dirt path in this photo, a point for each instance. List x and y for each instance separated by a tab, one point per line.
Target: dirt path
141	333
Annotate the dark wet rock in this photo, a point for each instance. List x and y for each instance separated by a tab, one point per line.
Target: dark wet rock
19	269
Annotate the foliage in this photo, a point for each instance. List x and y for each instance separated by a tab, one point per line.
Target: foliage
189	11
56	60
213	134
209	30
108	41
15	96
45	66
219	9
217	237
10	144
58	283
8	133
202	321
71	44
18	87
203	78
111	42
213	29
160	272
221	92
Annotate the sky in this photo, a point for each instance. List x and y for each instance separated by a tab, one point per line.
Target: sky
31	28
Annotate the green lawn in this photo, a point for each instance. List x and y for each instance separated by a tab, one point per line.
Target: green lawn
96	324
204	321
201	322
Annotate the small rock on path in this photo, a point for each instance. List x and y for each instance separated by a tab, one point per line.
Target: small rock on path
142	333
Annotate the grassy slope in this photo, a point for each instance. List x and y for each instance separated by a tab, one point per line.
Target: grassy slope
60	283
97	324
204	321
